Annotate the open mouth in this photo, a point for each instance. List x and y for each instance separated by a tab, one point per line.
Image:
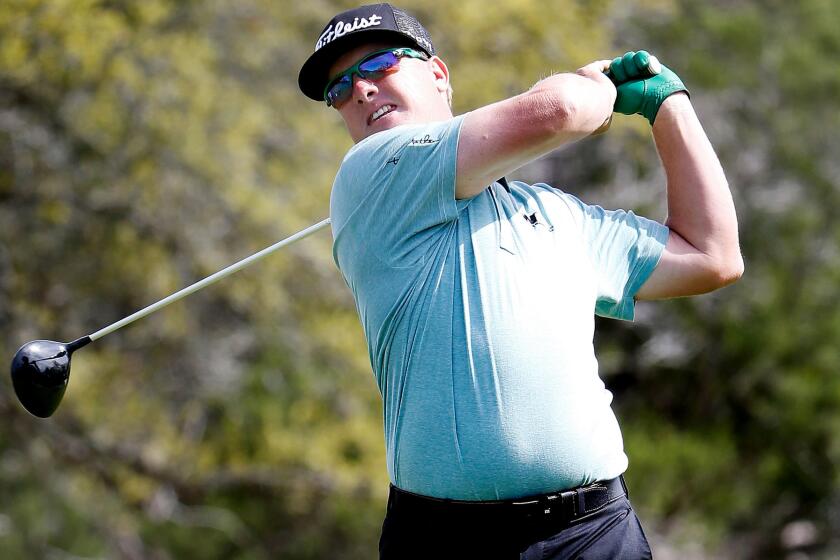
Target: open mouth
381	112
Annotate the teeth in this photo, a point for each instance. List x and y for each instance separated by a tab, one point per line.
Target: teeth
381	111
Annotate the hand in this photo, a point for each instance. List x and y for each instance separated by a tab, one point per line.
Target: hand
633	66
639	90
598	71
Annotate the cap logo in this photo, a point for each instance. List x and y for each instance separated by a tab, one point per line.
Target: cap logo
343	28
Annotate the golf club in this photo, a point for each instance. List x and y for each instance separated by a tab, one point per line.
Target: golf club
41	368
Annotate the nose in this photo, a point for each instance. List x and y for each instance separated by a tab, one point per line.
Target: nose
363	89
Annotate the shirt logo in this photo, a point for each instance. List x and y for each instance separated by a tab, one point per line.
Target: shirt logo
425	140
343	28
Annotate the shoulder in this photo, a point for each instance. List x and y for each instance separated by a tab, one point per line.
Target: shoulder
388	144
409	166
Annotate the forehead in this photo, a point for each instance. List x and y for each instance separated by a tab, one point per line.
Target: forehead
351	57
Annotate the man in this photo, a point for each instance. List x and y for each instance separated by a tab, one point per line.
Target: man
477	295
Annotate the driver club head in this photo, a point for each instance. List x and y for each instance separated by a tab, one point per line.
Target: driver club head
40	371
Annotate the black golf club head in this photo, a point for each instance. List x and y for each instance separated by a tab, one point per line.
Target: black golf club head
40	371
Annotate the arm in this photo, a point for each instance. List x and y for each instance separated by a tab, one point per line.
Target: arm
503	136
702	253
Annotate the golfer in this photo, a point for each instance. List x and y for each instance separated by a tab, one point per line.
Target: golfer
477	294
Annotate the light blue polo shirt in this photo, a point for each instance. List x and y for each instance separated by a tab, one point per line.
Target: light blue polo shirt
479	317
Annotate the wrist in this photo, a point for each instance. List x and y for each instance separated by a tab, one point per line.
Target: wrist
674	105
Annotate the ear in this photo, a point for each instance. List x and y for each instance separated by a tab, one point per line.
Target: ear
441	73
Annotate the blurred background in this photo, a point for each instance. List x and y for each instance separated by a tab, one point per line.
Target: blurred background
145	145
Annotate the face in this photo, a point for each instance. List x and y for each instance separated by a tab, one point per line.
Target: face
413	94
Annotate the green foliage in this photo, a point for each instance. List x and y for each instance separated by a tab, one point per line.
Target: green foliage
144	145
746	378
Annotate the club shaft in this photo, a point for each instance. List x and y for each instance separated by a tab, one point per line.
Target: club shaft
207	281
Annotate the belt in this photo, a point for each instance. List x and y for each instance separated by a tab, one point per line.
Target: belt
565	506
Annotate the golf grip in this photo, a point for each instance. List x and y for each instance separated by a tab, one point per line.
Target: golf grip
205	282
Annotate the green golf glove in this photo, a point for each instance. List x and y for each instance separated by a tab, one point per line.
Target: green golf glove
640	89
634	65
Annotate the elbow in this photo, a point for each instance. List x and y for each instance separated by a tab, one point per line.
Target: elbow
713	275
566	110
579	117
727	271
554	111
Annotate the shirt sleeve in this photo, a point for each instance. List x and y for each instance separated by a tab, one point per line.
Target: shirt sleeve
625	249
396	189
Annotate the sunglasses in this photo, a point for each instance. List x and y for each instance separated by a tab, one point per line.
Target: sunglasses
374	66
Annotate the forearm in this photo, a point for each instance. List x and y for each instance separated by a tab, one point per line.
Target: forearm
506	135
700	206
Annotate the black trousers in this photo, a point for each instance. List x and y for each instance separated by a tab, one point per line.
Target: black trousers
414	530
